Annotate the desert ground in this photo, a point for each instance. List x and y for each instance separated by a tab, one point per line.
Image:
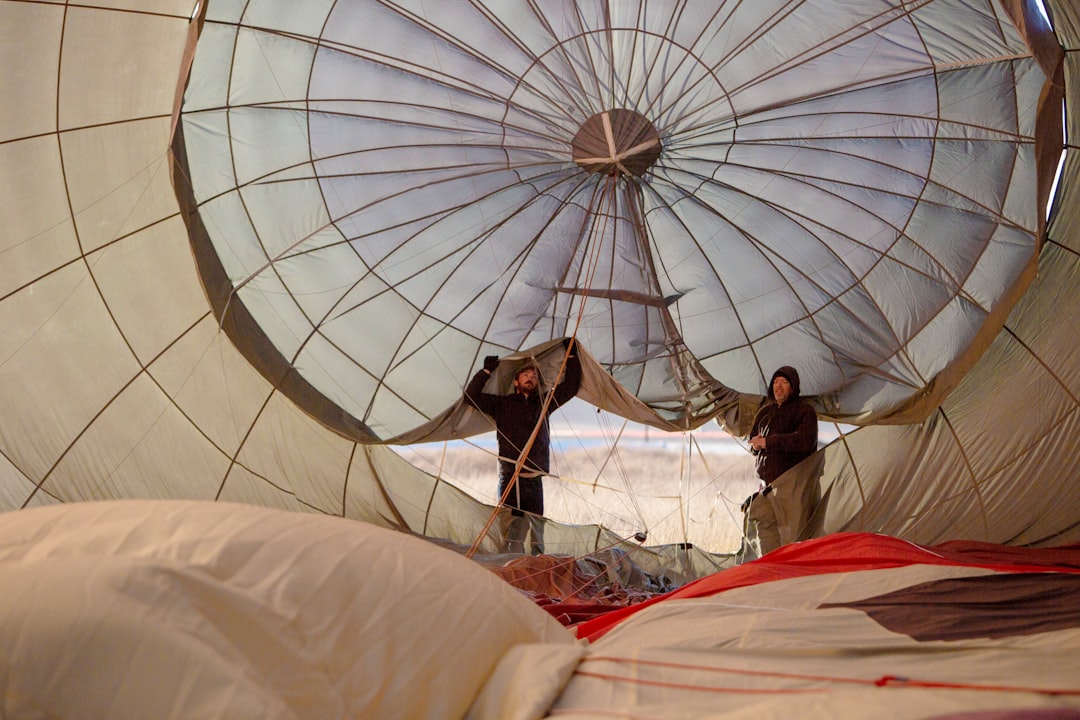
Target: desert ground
675	494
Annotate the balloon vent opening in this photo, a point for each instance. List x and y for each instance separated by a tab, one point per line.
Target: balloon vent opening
617	142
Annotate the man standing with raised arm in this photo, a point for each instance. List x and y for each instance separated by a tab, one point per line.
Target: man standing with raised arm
516	416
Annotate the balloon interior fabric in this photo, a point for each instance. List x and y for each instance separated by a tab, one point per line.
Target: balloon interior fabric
698	192
246	247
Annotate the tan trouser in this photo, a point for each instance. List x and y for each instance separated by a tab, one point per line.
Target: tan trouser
518	528
785	514
762	528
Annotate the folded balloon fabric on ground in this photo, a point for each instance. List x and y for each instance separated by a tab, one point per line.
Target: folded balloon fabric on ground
135	609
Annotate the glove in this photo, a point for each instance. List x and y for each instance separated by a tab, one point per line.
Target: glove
746	503
491	362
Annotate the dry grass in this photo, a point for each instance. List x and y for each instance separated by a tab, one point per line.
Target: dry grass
673	498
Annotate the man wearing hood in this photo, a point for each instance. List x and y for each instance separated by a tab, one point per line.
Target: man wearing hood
783	434
515	417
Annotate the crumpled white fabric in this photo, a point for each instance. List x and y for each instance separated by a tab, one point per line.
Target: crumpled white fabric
175	609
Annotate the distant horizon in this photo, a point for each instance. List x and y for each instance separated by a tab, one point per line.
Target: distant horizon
590	432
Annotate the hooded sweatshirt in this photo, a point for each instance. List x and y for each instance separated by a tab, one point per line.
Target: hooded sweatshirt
790	430
516	415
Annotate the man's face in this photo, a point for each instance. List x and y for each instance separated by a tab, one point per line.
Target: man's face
781	389
527	380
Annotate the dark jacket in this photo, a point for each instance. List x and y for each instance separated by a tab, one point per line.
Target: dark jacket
516	415
790	430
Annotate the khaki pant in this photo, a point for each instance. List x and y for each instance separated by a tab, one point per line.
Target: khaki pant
785	514
762	527
524	534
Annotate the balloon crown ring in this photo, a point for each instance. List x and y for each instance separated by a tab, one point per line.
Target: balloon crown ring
617	142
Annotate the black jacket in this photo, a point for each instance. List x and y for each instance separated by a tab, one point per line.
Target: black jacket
516	415
790	430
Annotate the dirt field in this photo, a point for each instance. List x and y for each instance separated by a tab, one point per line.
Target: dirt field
657	490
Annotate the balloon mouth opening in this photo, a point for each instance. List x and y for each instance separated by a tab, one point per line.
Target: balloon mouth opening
617	142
